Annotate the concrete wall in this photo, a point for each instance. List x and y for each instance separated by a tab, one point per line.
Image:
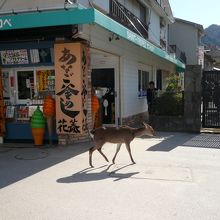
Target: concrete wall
192	101
191	120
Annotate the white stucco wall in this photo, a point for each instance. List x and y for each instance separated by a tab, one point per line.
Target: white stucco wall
129	57
154	28
15	5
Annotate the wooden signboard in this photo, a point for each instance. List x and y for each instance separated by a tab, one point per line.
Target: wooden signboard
71	67
2	115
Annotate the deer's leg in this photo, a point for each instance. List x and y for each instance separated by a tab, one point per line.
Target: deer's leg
129	151
117	150
100	151
98	147
90	155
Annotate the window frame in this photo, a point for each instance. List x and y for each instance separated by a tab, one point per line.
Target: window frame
144	71
16	70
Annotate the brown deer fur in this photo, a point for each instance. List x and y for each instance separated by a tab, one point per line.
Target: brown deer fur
117	135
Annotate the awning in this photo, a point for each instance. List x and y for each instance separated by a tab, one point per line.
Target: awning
72	16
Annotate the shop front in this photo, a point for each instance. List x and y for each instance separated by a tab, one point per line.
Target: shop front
43	52
28	76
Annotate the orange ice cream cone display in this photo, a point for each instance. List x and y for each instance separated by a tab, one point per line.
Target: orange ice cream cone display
49	113
49	106
38	126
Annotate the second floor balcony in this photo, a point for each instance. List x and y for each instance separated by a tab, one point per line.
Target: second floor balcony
180	55
125	17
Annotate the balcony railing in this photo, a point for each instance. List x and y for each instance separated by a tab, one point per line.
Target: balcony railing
179	54
122	15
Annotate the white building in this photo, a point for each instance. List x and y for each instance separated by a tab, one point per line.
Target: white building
186	36
127	40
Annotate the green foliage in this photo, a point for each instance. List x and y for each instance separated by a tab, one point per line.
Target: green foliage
173	83
170	104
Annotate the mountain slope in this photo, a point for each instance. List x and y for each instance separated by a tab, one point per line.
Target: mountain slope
212	35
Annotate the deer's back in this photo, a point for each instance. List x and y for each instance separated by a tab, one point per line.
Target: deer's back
113	134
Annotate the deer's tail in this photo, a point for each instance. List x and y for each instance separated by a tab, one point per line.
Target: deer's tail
91	133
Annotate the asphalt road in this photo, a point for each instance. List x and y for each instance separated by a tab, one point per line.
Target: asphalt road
176	176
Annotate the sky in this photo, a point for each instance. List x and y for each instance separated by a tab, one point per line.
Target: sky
198	11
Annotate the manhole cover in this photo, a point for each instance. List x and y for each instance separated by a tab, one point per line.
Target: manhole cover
31	154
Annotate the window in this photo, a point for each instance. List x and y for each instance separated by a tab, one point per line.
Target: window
42	55
33	85
25	83
144	13
143	80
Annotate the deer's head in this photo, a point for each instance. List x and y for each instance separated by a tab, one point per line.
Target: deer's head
150	131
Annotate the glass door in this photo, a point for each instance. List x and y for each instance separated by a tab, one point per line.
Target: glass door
25	85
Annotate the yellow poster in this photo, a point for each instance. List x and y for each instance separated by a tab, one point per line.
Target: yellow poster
71	67
42	79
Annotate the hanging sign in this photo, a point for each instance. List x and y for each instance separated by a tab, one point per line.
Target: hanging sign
12	57
71	67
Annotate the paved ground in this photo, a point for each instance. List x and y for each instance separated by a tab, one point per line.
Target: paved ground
177	176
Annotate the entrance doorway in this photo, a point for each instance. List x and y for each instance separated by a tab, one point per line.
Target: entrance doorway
103	81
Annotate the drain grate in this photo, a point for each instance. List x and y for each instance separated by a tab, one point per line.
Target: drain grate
204	140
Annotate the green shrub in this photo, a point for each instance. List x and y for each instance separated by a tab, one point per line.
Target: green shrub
169	103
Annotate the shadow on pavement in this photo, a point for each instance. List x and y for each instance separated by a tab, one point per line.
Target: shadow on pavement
18	161
93	174
169	140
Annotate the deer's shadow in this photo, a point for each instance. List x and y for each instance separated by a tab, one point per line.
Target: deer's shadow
92	174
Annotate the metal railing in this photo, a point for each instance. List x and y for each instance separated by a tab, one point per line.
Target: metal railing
179	54
122	15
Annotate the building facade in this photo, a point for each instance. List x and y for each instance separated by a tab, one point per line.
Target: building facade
66	48
186	36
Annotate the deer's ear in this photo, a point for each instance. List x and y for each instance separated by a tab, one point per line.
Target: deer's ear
145	125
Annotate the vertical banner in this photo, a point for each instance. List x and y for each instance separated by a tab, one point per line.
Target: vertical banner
2	115
71	68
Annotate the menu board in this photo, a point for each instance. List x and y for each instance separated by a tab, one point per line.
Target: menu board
12	57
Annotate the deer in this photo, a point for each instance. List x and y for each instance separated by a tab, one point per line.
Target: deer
117	135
